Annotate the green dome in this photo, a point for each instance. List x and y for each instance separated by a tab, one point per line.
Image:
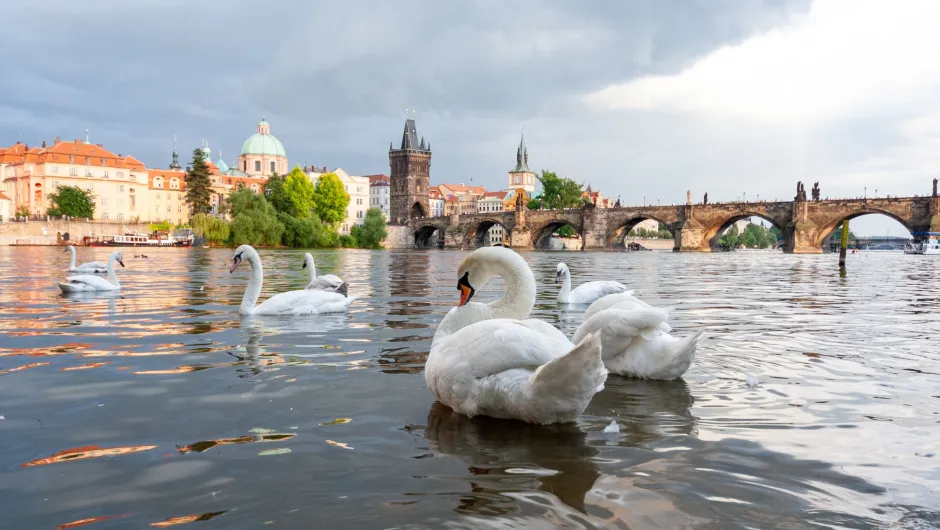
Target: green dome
263	142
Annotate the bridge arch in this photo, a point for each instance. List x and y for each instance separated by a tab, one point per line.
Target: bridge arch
418	211
618	231
826	228
477	233
430	235
541	236
714	233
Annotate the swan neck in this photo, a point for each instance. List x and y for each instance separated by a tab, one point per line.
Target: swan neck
519	299
565	287
72	262
254	285
311	268
112	276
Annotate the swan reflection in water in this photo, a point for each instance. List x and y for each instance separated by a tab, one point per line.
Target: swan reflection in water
92	297
506	456
256	327
553	471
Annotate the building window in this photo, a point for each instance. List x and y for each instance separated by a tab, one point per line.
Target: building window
103	162
121	188
257	165
272	166
245	165
88	173
55	170
120	217
71	159
104	201
73	171
87	160
106	173
104	216
120	174
133	202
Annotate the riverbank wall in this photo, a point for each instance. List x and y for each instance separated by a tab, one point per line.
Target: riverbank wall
51	232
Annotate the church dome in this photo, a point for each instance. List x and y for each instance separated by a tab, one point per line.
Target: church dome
263	142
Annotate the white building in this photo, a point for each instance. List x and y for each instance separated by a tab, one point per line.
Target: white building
379	193
358	190
492	202
436	201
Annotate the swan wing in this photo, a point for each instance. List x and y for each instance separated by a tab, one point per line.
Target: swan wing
329	282
605	302
618	328
661	357
509	369
303	303
591	291
86	282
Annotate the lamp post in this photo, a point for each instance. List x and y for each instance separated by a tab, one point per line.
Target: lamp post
744	194
866	192
644	201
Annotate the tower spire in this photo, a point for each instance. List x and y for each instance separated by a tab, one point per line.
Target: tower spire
175	164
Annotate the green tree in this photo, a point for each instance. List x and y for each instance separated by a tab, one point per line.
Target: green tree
299	190
197	180
72	201
566	231
274	192
306	233
213	229
372	232
729	239
254	220
330	200
559	192
534	203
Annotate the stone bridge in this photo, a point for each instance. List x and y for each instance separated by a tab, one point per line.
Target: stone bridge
805	224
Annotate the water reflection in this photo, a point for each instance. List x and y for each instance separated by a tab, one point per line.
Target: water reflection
508	456
839	431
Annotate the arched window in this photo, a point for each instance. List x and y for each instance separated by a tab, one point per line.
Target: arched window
273	166
257	165
158	183
174	183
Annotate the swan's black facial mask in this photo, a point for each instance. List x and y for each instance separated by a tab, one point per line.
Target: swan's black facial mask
235	261
466	290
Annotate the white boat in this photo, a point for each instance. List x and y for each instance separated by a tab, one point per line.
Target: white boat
929	246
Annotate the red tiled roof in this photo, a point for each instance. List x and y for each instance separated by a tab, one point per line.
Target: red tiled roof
462	188
500	194
377	178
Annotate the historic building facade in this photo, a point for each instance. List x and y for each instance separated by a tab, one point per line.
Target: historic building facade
359	192
410	177
263	154
521	177
379	193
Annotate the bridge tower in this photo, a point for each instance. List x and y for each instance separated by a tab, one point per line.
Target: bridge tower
409	177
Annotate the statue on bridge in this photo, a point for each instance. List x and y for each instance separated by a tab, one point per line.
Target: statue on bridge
800	192
705	200
688	197
934	187
816	191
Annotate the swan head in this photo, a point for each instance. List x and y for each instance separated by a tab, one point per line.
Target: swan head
118	257
560	272
477	268
308	258
241	254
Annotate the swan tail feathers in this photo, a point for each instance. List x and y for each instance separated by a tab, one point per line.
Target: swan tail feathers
570	381
684	353
343	289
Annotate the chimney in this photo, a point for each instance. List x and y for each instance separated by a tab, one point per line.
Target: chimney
78	141
57	141
18	142
43	144
100	145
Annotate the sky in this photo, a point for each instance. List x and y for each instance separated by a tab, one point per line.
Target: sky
642	99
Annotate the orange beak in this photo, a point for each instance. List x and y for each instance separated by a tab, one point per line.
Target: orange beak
465	293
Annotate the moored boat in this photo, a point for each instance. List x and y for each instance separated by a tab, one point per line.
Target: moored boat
158	238
929	246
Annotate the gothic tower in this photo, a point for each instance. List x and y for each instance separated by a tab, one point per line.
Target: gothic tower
410	177
521	176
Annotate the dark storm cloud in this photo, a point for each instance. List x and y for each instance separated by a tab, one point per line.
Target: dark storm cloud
333	77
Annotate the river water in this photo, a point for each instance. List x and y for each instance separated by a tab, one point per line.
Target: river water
813	402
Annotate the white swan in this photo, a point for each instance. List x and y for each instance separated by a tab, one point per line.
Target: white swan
289	303
624	300
327	282
585	293
634	343
90	282
482	364
90	267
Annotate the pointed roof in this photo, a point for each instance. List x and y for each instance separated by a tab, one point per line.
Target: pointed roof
409	138
522	157
223	167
